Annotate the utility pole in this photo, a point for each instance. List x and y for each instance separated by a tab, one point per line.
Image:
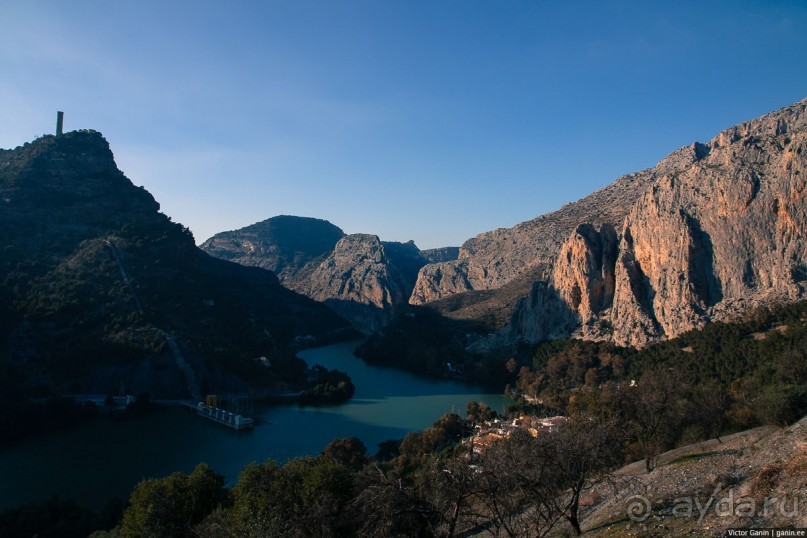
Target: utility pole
59	123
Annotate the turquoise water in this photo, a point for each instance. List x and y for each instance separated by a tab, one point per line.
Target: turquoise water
105	459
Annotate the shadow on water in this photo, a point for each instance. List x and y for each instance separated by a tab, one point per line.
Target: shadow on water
379	381
104	459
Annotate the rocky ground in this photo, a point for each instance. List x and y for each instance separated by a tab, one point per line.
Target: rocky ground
753	479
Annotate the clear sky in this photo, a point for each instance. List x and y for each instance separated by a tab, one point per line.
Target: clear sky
431	120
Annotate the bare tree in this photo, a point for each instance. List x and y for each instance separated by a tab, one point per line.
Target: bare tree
710	405
516	488
583	452
652	407
389	506
454	487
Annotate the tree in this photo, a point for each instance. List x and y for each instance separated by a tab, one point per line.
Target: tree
516	487
447	430
171	506
306	497
583	452
480	412
388	506
453	490
388	450
348	451
652	407
710	405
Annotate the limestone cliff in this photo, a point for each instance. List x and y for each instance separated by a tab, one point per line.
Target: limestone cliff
494	259
442	254
584	271
721	228
359	281
358	275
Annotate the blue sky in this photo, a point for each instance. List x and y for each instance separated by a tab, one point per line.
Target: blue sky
426	120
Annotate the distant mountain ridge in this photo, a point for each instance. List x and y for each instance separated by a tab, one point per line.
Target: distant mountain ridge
357	275
284	244
441	254
653	254
99	292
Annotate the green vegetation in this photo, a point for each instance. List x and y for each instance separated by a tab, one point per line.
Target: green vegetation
327	387
99	293
621	405
171	506
726	377
422	341
520	485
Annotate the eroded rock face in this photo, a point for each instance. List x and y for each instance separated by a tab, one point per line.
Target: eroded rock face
363	278
437	280
359	276
358	271
541	315
721	234
494	259
584	272
721	229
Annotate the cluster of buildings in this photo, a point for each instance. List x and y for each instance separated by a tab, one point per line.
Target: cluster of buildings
490	431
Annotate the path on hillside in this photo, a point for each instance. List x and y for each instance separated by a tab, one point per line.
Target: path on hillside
124	275
190	377
191	383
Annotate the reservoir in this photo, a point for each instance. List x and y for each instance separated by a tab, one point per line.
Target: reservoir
105	459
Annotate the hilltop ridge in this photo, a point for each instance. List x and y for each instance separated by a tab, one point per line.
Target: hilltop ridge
97	284
710	231
358	275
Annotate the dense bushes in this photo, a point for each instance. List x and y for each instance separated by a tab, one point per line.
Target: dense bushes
725	377
448	492
422	341
327	387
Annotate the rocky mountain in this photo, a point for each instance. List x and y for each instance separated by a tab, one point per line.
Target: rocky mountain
363	277
283	244
494	259
100	292
710	231
723	228
718	228
442	254
358	275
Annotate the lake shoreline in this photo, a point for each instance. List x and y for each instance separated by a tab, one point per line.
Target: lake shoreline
103	459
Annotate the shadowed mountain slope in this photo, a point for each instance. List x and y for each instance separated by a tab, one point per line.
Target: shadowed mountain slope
100	292
357	275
